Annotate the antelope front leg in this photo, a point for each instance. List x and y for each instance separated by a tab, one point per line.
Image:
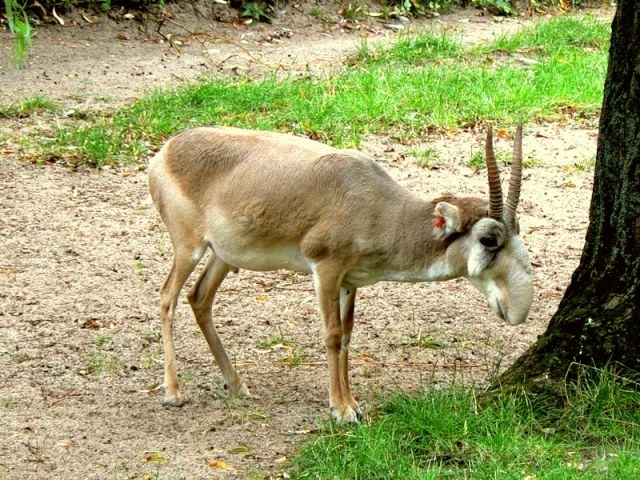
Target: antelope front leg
327	285
347	307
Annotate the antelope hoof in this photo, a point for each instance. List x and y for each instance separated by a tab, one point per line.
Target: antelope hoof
346	415
173	400
240	392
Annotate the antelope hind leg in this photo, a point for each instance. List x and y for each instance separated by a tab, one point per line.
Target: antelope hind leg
184	261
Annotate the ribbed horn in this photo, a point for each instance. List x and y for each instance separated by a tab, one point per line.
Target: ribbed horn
515	180
495	190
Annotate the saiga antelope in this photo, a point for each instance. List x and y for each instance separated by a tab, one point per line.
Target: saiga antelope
266	201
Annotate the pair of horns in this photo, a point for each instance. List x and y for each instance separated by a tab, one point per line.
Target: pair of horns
496	210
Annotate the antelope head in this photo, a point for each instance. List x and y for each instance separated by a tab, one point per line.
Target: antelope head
498	263
490	253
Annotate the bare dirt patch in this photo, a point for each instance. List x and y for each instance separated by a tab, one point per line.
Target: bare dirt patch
83	256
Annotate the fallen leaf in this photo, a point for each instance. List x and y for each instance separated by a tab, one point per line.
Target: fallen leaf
551	294
65	444
502	133
155	457
239	449
92	324
282	346
218	464
152	389
253	415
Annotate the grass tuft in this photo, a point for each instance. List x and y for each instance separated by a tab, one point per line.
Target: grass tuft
557	36
455	434
410	50
34	105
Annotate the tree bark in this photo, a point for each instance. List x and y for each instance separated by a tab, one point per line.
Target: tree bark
598	321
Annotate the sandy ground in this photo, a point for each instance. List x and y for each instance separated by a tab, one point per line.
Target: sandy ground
82	256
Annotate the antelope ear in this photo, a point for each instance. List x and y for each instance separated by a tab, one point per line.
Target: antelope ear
447	218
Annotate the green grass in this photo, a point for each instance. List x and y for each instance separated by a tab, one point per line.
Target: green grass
478	161
36	104
298	355
411	50
562	35
273	342
105	364
592	434
102	339
428	158
428	342
420	82
582	165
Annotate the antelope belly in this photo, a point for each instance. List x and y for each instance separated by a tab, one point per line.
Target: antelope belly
263	258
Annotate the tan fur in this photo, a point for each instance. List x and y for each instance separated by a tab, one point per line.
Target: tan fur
263	201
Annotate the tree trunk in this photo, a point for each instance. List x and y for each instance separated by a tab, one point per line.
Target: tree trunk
598	319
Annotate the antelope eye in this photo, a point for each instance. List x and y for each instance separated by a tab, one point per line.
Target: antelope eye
489	242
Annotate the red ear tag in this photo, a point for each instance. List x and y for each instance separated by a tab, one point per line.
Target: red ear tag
440	222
